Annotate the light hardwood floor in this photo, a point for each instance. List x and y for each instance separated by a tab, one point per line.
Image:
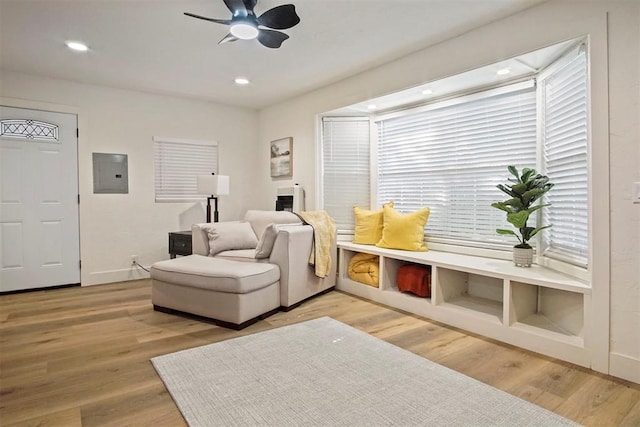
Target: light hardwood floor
80	356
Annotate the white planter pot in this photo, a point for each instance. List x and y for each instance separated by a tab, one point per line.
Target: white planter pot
522	257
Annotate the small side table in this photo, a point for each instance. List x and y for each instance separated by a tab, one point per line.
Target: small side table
179	243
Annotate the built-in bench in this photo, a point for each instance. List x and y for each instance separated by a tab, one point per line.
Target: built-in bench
534	308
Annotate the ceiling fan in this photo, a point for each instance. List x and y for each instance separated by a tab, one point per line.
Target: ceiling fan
245	25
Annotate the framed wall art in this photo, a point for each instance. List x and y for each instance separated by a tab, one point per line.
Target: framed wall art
282	157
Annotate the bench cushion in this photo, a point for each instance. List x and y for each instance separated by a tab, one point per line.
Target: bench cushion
216	274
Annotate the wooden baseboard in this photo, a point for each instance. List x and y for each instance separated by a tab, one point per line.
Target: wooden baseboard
625	367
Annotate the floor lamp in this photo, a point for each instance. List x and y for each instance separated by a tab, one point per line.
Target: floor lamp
216	185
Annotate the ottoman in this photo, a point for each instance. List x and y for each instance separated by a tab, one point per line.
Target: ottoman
234	294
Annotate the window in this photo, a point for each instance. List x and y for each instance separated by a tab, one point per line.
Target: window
346	158
450	155
177	164
29	129
564	94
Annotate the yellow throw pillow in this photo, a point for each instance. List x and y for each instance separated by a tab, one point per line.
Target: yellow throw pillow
368	225
404	231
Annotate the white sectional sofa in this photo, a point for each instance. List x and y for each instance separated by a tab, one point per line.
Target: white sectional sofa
226	285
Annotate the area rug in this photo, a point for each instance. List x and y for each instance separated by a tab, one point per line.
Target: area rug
325	373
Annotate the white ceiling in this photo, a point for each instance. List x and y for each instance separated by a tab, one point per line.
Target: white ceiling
149	45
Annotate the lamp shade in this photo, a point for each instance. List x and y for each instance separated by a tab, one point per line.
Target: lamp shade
215	185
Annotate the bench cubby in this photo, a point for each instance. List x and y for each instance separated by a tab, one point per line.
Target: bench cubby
534	308
481	295
548	311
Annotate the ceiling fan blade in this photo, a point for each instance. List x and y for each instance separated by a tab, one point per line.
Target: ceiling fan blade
280	17
250	4
217	21
228	38
272	39
236	7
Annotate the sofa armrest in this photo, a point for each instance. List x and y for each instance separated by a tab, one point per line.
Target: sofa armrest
290	252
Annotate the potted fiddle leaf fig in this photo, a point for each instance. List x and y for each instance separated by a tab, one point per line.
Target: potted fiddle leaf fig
524	190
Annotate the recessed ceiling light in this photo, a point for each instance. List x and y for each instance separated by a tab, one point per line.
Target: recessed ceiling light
242	81
427	92
77	46
503	71
372	107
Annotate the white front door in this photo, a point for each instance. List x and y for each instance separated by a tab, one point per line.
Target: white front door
39	227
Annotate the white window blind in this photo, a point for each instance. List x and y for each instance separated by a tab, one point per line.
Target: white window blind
451	156
565	134
177	164
346	167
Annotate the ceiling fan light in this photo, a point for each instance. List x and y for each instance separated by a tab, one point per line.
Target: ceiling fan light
244	30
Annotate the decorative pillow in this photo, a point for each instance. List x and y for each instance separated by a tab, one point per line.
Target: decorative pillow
225	236
368	230
404	231
265	245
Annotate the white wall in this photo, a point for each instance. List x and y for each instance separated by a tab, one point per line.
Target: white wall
612	27
624	115
115	226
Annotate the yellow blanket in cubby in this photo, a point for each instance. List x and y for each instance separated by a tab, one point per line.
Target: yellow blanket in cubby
365	268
